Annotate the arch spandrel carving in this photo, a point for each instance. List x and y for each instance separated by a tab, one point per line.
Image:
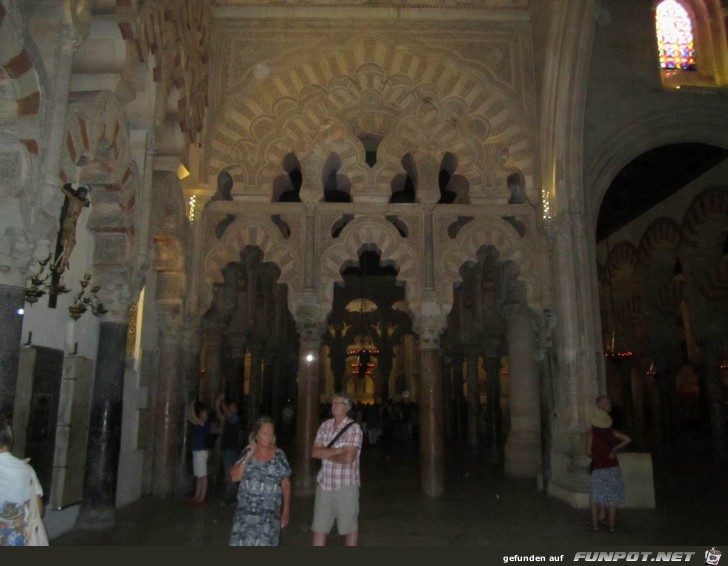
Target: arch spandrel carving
435	103
373	232
249	230
486	231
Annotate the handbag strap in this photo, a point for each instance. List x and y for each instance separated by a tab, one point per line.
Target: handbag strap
333	440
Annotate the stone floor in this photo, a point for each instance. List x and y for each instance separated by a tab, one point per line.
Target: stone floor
480	508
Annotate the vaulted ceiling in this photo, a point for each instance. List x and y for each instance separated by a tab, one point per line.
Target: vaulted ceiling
651	178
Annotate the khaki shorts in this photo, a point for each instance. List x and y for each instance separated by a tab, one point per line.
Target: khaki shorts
199	463
341	506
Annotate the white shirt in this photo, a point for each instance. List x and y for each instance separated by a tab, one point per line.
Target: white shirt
15	478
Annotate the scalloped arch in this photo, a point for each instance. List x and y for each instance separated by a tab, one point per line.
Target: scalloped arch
373	73
252	231
484	232
369	231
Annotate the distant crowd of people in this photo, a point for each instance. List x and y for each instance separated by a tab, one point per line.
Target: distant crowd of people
384	422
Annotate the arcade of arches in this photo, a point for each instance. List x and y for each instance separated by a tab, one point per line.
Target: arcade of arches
402	200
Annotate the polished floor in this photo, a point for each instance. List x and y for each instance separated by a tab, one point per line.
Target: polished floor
480	508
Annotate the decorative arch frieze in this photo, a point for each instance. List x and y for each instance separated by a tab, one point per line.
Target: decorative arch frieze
369	232
623	253
368	85
252	230
485	231
710	206
661	233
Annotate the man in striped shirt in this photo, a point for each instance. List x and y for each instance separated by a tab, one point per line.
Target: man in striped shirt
337	492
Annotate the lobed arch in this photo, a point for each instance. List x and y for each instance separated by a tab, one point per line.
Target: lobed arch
252	230
706	124
366	232
465	247
379	79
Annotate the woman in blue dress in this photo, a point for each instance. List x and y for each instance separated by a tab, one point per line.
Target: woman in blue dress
264	494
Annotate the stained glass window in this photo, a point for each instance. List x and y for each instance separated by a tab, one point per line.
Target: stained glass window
675	36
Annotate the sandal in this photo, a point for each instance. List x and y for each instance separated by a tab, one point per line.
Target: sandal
592	528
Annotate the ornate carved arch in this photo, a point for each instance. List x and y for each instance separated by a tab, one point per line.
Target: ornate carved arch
485	231
252	230
369	231
370	85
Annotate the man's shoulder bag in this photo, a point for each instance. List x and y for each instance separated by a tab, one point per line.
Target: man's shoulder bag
333	440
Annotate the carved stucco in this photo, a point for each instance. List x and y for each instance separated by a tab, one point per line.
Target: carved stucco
370	232
253	230
486	229
420	97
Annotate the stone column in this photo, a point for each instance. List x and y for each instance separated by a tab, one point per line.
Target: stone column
189	383
432	427
254	385
168	409
523	447
11	300
473	400
494	414
104	437
308	406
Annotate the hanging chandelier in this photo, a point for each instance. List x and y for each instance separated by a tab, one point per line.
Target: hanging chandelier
363	348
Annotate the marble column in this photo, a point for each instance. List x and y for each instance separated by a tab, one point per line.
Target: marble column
213	362
11	300
432	426
104	436
168	406
523	447
307	413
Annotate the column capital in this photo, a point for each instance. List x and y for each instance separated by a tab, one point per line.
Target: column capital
429	325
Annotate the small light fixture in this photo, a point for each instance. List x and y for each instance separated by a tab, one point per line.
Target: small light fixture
309	358
87	298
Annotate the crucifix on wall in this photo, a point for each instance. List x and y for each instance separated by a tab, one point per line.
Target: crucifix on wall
76	200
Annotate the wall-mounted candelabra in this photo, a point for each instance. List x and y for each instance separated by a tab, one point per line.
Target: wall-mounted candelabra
87	299
43	281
